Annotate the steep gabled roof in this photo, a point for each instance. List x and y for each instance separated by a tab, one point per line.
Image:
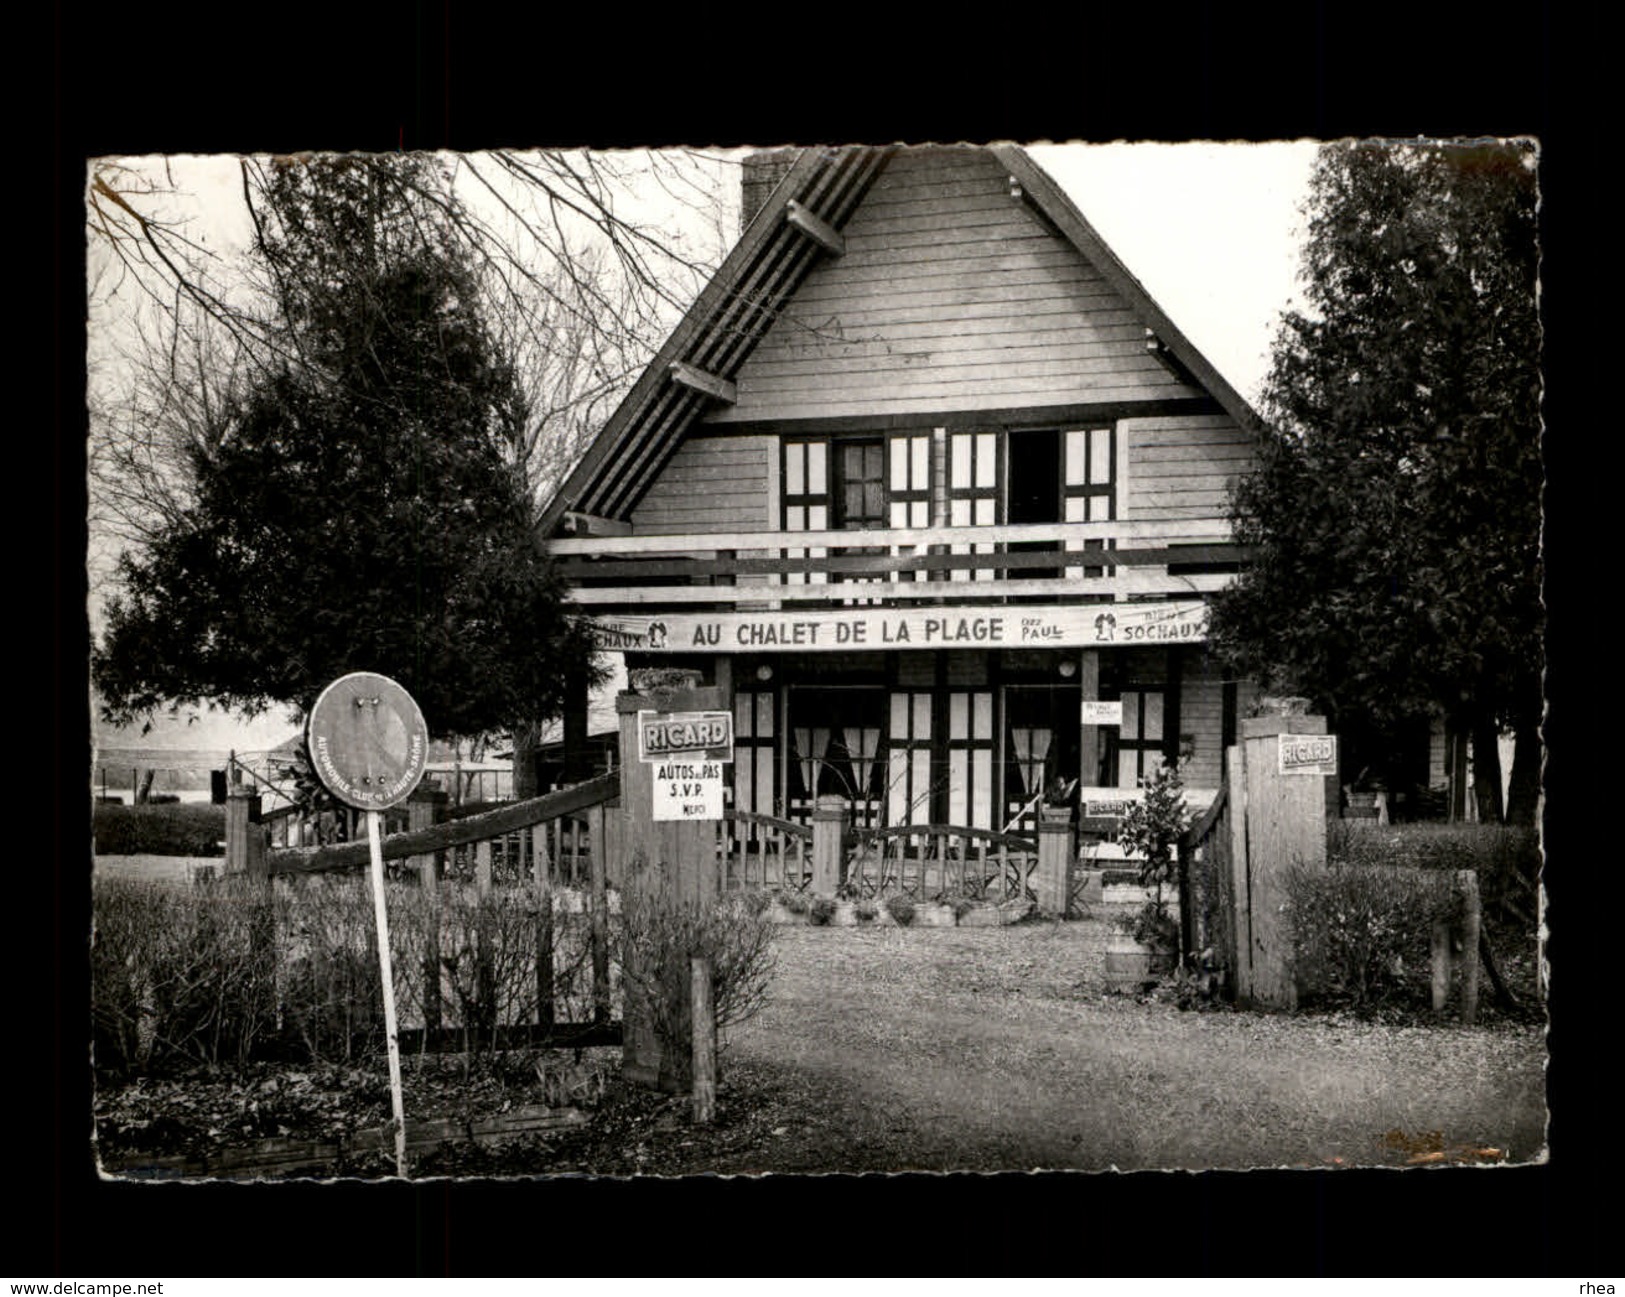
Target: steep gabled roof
772	258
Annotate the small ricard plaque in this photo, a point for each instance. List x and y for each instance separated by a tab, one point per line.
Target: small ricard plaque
1308	754
368	741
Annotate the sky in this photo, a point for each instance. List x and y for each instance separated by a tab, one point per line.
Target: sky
1212	231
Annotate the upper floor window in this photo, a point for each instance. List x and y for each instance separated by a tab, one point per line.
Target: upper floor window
858	500
1018	476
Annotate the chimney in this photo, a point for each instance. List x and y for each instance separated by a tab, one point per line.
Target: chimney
759	176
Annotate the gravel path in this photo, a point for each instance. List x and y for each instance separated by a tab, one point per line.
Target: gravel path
996	1049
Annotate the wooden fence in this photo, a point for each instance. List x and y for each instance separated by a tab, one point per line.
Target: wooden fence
924	861
764	851
1206	887
528	851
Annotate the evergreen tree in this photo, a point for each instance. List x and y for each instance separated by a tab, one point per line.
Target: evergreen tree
354	505
1396	513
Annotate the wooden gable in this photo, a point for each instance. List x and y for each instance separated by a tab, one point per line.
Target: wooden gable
952	295
892	287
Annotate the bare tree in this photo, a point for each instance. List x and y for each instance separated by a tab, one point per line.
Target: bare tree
586	261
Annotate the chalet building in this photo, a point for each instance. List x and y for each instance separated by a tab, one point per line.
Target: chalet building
932	489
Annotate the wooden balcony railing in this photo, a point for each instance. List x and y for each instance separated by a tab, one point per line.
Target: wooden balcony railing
773	568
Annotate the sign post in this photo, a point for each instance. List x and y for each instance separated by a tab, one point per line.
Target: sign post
370	745
676	741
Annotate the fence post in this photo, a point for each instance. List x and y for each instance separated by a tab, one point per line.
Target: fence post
245	838
599	934
423	809
705	1041
829	820
541	877
1052	880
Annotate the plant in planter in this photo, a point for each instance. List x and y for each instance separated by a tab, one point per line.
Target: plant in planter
1151	829
901	908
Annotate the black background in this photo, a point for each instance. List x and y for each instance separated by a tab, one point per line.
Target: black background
126	81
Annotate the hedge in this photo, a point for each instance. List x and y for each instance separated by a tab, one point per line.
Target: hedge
183	829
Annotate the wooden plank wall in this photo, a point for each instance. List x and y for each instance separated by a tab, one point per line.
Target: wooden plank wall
951	295
1201	714
712	484
1182	466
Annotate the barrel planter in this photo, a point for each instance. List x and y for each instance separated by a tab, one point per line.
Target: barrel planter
1131	966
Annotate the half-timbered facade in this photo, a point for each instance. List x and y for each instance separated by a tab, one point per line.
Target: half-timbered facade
930	485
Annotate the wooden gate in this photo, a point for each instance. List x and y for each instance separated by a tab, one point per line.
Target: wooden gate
1234	861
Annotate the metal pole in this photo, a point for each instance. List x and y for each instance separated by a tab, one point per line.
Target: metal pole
386	972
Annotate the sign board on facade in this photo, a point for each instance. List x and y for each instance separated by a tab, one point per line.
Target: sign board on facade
368	741
688	790
1101	711
858	629
665	735
1107	803
1308	754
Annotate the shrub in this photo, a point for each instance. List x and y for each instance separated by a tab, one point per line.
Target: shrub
231	971
959	904
178	829
1361	934
1152	925
867	911
754	900
658	936
795	902
901	908
1152	825
331	1000
1151	830
822	911
1507	860
181	975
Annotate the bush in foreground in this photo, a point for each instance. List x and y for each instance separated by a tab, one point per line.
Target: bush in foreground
228	972
1506	860
659	935
1361	934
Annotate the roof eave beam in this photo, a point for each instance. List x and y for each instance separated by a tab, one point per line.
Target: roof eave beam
590	524
1163	356
1019	193
696	379
815	228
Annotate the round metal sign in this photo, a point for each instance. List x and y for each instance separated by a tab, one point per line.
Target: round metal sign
368	741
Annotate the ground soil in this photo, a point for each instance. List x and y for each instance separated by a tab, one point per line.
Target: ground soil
890	1049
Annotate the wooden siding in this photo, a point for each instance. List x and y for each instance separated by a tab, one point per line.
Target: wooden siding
711	484
1201	715
1182	466
951	295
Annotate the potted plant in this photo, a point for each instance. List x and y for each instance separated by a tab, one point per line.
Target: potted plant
1147	941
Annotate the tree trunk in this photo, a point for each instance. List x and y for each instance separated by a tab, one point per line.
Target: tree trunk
1523	790
524	761
1487	769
